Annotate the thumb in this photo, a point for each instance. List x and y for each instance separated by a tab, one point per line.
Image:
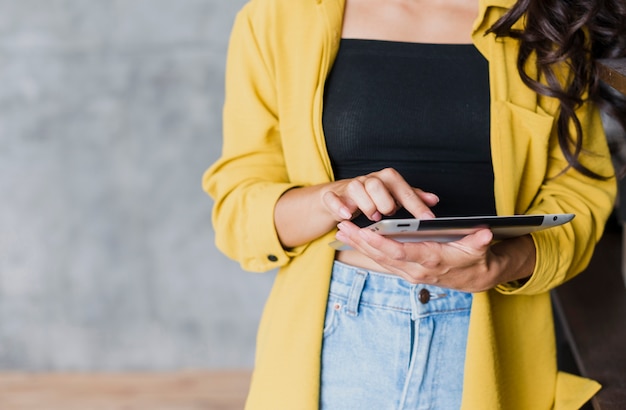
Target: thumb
478	240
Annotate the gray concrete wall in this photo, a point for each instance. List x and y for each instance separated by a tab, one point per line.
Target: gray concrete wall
110	110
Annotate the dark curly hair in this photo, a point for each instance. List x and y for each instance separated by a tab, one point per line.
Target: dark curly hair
577	33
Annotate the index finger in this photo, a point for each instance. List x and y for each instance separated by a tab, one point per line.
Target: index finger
407	196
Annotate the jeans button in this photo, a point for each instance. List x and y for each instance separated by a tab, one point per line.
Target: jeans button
424	296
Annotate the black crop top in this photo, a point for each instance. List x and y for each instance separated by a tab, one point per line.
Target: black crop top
422	109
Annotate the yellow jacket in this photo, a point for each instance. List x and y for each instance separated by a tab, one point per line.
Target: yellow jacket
279	56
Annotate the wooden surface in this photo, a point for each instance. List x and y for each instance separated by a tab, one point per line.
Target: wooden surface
593	307
127	391
613	72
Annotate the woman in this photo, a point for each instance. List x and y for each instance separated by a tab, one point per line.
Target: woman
339	113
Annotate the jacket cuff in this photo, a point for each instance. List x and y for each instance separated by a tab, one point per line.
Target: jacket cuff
540	281
261	232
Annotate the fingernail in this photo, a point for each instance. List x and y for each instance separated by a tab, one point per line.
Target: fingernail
345	213
376	216
487	236
427	215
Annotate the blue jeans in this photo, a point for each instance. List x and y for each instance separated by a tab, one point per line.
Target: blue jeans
390	344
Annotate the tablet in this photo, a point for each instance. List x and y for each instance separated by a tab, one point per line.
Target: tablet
455	228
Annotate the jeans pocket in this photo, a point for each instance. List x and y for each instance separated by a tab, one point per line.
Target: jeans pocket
333	310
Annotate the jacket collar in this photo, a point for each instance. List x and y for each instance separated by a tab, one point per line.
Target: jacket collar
483	9
487	16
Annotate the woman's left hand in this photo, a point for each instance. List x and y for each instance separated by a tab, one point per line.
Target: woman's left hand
470	264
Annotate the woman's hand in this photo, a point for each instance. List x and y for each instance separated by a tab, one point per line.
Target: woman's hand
304	214
376	194
471	264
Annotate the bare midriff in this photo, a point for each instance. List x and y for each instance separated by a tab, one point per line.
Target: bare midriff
355	258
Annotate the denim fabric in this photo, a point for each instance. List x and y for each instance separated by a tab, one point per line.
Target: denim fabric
390	344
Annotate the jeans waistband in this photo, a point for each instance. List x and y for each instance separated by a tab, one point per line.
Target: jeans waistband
361	287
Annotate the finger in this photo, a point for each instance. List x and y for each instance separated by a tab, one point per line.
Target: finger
379	193
404	194
429	198
363	201
349	234
476	242
337	207
379	248
407	260
346	232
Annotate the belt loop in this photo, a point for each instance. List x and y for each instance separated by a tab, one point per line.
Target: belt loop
354	297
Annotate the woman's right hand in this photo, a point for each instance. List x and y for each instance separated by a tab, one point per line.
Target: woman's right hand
304	214
377	194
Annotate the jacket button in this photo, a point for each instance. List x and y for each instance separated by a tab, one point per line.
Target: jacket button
424	296
272	258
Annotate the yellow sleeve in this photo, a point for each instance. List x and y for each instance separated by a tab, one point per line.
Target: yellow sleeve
563	252
250	175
